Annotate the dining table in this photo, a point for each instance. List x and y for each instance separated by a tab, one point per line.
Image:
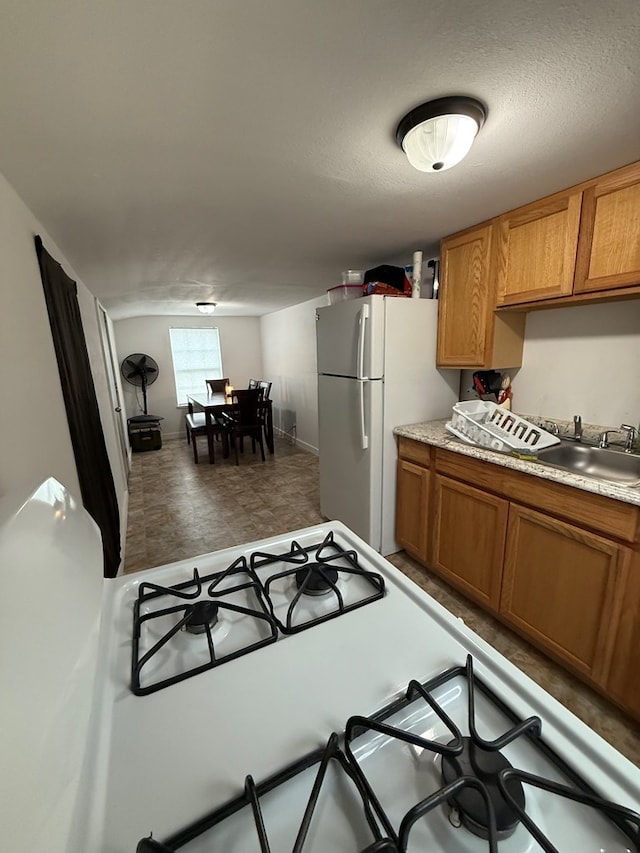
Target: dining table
215	404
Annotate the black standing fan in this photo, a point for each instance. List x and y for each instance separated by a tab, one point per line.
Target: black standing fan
140	370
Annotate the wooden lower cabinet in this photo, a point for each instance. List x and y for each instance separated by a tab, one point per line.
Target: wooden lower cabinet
469	531
412	508
559	565
558	588
623	683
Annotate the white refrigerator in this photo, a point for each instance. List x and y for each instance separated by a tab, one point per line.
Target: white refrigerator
376	371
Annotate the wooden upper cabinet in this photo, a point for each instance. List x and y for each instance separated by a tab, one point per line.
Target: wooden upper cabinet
609	248
470	335
536	249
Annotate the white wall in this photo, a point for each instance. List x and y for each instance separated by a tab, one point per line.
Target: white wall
34	434
289	360
241	347
582	360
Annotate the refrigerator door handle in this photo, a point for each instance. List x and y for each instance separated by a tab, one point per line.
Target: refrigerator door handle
363	315
364	438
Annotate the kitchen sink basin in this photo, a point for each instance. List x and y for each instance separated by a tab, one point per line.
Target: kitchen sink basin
612	465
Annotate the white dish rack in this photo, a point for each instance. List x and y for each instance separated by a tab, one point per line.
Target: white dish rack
489	425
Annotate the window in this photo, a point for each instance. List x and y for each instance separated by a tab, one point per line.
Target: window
196	358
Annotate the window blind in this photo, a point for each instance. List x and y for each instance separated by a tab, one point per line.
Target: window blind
196	358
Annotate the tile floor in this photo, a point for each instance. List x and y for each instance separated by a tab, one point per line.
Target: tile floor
178	509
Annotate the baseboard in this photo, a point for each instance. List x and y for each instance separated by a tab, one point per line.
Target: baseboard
309	447
298	442
171	436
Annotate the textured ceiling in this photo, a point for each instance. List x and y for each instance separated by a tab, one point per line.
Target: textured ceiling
243	151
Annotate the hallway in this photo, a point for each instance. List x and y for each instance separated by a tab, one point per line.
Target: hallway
178	509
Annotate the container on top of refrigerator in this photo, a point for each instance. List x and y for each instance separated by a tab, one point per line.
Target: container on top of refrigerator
386	280
434	264
342	292
352	276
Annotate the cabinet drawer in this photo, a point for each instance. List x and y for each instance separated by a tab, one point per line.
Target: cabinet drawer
604	515
414	451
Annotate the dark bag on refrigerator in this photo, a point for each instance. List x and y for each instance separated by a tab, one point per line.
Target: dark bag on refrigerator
386	280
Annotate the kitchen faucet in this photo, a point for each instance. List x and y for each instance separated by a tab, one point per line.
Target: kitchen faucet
632	434
577	429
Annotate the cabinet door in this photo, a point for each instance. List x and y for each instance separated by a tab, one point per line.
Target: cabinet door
623	683
609	250
468	539
536	251
465	298
412	506
558	588
470	333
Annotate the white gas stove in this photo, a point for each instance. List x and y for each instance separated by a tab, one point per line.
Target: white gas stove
293	694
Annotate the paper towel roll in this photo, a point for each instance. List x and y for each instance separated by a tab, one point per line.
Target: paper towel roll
416	279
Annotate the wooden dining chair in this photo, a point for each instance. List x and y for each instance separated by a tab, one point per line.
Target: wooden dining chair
244	420
217	386
266	391
197	420
193	420
266	388
214	386
197	428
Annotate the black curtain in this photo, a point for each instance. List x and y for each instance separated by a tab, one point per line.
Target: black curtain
94	471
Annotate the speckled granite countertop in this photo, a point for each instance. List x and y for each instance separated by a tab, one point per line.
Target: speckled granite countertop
434	432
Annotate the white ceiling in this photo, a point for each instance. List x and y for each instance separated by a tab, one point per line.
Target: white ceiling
242	151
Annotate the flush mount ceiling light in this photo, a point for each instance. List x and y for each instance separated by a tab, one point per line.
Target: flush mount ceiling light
437	135
206	307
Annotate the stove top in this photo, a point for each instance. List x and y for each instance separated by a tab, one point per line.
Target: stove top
198	740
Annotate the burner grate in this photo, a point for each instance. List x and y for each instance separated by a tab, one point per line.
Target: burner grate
501	789
320	582
325	571
315	809
394	836
211	604
626	819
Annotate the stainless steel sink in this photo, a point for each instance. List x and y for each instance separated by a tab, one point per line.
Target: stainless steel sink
612	465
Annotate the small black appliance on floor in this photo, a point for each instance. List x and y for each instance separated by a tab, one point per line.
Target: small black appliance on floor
144	432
